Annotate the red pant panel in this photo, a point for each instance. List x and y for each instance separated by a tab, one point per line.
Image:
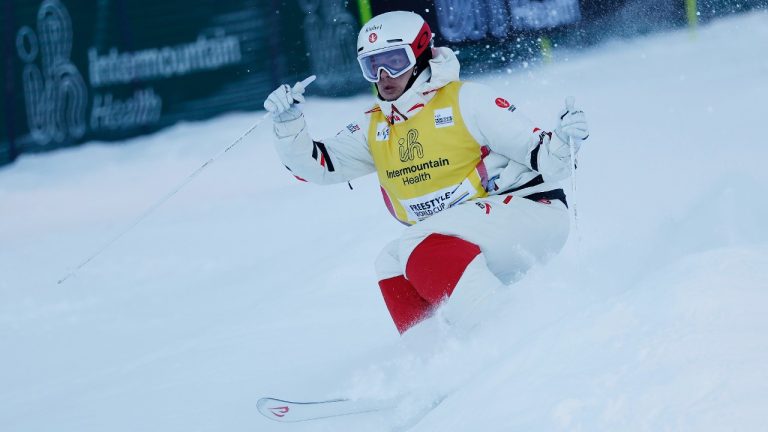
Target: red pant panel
405	305
436	265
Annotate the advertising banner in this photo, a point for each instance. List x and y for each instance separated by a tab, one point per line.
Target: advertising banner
105	70
77	71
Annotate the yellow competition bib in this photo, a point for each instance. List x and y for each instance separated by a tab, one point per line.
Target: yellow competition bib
429	162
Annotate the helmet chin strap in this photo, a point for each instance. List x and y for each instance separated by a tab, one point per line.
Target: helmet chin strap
422	63
414	75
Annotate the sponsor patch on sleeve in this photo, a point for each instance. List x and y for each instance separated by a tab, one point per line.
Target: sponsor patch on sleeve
504	104
353	127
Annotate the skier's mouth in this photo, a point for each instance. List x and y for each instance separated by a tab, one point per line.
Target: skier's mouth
388	88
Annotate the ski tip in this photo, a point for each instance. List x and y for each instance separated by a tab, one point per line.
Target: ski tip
274	409
287	411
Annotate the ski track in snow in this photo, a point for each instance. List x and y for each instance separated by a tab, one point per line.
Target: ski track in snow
249	283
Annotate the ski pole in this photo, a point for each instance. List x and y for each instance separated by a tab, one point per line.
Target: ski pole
307	81
162	201
569	103
173	192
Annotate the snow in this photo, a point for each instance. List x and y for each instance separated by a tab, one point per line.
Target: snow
248	283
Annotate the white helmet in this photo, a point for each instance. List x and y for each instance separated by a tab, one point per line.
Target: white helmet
392	41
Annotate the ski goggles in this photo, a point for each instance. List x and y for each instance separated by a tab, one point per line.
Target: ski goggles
396	61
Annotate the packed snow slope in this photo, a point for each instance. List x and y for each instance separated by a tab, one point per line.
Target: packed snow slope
249	283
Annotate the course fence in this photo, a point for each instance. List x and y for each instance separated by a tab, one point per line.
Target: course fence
76	70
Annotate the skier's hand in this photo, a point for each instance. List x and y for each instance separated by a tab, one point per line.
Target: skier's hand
572	124
281	102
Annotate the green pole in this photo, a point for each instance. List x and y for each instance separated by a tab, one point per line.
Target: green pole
364	6
692	14
365	11
545	44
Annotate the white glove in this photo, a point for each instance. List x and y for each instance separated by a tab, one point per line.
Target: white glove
281	101
572	125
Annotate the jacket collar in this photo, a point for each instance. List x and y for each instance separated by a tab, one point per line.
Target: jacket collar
443	69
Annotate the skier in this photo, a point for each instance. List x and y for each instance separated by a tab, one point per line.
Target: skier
474	180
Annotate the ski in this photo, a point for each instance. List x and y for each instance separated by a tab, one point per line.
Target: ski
287	411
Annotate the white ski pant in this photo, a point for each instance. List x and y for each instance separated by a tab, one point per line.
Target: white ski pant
465	253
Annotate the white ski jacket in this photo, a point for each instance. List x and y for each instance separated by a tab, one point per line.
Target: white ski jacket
523	158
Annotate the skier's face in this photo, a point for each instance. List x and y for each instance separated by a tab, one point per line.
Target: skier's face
392	88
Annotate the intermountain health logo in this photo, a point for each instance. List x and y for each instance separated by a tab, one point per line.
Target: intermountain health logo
410	147
54	91
57	97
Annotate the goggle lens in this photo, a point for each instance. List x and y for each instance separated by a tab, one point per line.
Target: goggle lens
396	62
